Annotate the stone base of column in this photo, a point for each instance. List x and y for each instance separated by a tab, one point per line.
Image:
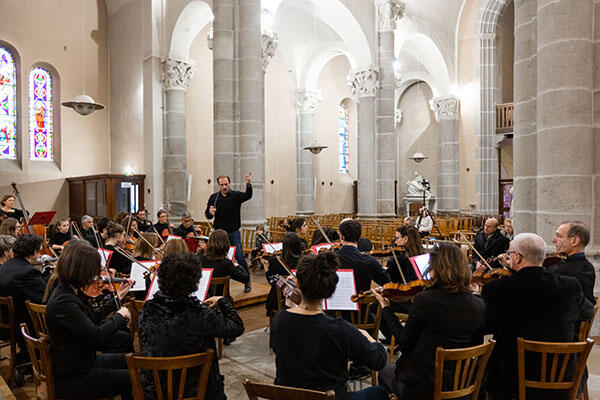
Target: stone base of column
369	217
252	224
305	213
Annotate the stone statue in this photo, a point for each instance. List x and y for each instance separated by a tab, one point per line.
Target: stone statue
415	188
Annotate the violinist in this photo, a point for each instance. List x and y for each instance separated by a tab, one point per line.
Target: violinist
87	225
490	243
215	257
312	349
78	331
144	249
299	227
162	227
175	246
187	227
290	254
60	236
7	208
145	225
571	238
6	245
408	238
261	238
132	226
10	226
116	237
430	325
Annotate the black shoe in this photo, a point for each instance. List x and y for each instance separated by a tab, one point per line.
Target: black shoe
247	287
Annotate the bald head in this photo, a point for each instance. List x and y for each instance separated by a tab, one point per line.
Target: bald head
490	226
529	250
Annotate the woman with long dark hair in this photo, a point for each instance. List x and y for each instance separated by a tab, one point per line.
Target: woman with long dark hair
215	257
280	265
408	238
299	227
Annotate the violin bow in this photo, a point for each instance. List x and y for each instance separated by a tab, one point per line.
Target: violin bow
262	235
320	228
131	258
398	265
284	265
74	225
113	290
160	237
476	252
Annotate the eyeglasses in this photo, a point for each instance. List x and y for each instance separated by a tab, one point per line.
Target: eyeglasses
508	253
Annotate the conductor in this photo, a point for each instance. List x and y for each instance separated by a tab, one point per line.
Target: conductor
224	206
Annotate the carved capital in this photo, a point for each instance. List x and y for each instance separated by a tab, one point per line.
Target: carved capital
307	100
209	39
363	81
388	12
177	74
269	45
398	117
444	108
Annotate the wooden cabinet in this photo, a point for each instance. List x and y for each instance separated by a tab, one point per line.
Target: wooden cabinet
105	195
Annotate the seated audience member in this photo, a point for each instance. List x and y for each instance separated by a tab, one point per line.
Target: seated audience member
570	239
532	304
290	254
366	268
312	349
490	243
318	237
175	246
430	324
78	331
215	257
424	223
186	228
6	245
61	236
176	323
115	239
10	227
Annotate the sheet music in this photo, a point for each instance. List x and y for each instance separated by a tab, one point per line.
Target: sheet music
170	237
231	253
104	258
271	248
137	274
200	293
346	288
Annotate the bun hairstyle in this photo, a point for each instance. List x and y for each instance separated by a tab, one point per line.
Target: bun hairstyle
294	224
317	276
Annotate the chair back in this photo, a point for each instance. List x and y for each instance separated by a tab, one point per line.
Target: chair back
257	391
555	358
469	367
360	318
41	364
586	326
220	286
9	329
38	316
135	308
169	365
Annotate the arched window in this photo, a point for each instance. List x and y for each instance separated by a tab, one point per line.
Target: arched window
343	124
41	115
8	105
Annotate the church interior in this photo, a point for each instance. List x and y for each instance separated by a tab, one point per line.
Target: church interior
362	109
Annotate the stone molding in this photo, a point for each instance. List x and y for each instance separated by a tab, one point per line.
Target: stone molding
363	81
307	100
398	117
177	74
209	39
388	12
444	108
269	45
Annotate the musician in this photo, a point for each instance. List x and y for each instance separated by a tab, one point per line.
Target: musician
187	227
176	323
318	237
508	230
115	240
78	331
175	246
162	226
300	228
144	249
224	206
261	239
61	236
430	324
407	237
215	257
490	243
87	225
10	227
144	224
7	208
366	267
533	304
131	225
312	349
6	245
103	228
290	254
571	238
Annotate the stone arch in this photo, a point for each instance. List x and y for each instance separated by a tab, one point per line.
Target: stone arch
486	185
317	61
192	19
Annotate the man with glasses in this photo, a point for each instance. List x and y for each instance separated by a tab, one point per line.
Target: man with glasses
187	227
533	304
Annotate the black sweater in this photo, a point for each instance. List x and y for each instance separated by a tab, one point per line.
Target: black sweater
118	261
366	268
578	267
225	267
227	216
312	351
405	265
22	281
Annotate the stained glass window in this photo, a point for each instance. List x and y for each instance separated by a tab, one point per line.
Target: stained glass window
41	115
343	124
8	106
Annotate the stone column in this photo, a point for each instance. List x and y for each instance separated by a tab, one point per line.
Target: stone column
445	110
565	137
364	84
224	88
388	11
306	104
251	128
175	77
525	120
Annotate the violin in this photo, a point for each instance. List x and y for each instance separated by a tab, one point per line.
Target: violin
385	253
289	288
553	258
482	277
398	292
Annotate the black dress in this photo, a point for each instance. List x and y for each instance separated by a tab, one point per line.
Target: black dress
15	213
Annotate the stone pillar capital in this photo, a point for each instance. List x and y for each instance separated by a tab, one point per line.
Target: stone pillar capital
388	12
363	81
444	108
269	45
307	100
177	74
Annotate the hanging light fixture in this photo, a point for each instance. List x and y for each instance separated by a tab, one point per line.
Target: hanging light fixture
83	104
419	157
315	148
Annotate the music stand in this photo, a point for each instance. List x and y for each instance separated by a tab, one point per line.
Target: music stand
42	218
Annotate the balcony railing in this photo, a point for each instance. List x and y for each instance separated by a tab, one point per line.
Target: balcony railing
504	117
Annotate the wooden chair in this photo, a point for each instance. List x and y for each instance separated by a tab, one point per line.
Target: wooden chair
39	353
135	308
257	391
360	320
469	368
584	332
403	318
219	287
8	328
38	316
248	240
170	364
554	377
